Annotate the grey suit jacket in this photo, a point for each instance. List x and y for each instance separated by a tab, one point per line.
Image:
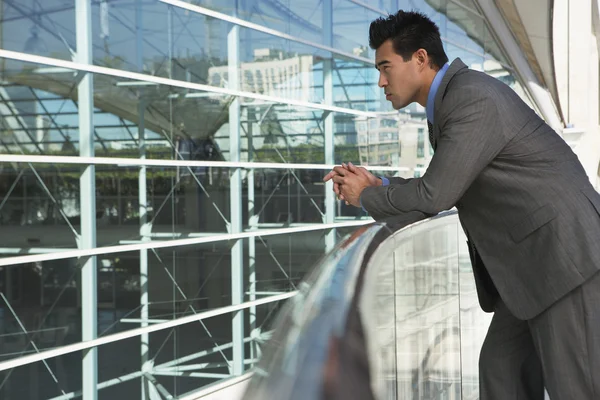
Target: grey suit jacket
522	196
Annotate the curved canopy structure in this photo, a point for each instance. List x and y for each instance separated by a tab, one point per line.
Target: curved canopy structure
530	23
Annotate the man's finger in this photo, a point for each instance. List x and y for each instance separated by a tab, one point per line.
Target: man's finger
340	170
328	176
336	189
358	170
338	179
352	168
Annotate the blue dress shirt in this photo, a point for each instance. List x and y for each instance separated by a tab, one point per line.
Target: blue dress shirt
435	85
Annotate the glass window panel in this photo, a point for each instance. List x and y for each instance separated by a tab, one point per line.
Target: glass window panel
297	18
43	28
390	140
175	116
472	60
184	358
128	36
351	28
182	202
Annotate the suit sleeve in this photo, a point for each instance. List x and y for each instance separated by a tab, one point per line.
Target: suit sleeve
472	135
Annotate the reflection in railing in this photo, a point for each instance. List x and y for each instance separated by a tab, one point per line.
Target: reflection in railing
407	327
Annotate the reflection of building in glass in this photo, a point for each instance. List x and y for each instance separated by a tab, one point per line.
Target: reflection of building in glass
393	139
271	73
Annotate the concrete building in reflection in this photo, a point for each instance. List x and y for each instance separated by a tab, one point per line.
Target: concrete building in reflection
398	139
273	73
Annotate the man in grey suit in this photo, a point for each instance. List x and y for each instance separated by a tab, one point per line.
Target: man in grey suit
531	216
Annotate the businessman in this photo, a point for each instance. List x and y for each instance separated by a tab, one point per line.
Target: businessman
531	216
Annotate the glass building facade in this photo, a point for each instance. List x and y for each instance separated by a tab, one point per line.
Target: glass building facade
161	167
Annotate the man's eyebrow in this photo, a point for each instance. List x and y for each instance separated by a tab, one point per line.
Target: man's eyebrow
380	63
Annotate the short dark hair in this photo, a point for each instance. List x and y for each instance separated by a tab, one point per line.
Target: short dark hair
409	31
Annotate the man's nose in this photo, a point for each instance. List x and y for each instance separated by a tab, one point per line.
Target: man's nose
382	81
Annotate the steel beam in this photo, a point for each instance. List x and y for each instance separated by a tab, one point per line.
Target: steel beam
87	183
252	224
115	337
329	122
235	188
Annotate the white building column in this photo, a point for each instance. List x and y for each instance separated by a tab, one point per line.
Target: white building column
576	64
328	123
235	187
87	184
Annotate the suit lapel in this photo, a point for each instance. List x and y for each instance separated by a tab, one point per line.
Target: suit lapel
454	68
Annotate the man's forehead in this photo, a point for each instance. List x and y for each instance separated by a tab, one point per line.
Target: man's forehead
379	57
384	52
386	47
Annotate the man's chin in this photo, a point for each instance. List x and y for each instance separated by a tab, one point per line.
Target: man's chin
397	105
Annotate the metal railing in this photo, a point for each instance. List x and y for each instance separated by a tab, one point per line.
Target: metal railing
391	313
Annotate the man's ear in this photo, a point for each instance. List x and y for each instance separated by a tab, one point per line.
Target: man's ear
422	58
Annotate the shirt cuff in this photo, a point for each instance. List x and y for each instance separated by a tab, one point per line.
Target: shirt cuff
384	182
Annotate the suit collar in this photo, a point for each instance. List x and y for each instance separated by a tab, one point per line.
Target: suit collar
456	66
429	108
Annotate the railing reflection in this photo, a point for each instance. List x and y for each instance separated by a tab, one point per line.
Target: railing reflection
392	313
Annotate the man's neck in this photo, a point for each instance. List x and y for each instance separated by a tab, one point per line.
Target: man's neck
427	82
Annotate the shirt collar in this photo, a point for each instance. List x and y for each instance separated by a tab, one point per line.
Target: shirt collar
433	90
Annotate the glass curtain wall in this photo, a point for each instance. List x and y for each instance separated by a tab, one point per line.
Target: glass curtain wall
162	160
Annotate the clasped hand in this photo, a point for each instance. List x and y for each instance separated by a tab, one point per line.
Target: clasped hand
349	181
